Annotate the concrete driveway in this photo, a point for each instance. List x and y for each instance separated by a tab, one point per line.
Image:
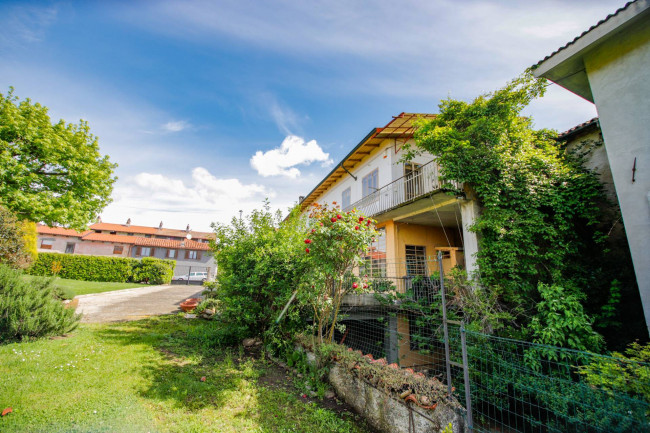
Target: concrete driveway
134	304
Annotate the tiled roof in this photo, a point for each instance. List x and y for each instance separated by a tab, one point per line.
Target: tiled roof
124	228
166	243
601	22
149	230
59	231
577	128
146	242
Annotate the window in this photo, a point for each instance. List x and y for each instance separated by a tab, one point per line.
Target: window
144	251
345	199
416	260
369	183
118	249
113	233
46	244
192	255
171	254
374	262
69	248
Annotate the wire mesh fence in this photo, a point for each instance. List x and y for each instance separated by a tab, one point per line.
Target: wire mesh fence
507	385
192	275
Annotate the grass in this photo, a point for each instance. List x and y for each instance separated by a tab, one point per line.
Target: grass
72	288
145	376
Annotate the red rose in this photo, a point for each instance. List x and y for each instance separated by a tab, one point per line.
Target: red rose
356	227
360	219
313	230
308	241
307	250
355	285
333	219
338	216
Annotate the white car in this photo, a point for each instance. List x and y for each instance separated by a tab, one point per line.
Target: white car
193	276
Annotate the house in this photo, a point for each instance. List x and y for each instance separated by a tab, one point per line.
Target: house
609	65
190	249
418	218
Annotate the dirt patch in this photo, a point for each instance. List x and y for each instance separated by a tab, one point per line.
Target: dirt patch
277	377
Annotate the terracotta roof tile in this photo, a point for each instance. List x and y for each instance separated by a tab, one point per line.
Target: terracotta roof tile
150	230
60	231
167	243
566	134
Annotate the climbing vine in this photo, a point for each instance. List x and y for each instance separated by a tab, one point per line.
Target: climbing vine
538	204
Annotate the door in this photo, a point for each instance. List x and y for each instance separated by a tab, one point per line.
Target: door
69	248
412	180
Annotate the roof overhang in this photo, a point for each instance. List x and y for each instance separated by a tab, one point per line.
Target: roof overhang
400	128
566	67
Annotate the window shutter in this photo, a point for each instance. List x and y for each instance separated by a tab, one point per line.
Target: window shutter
198	255
152	251
138	251
187	254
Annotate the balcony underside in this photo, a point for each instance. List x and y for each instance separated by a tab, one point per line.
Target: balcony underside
437	209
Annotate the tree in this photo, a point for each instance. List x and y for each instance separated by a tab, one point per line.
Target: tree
50	172
538	204
17	243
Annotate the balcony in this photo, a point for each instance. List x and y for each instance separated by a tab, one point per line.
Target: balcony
417	184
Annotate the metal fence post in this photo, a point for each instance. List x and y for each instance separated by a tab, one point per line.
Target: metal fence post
468	395
444	323
189	272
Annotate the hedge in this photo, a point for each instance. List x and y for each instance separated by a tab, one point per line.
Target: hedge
100	268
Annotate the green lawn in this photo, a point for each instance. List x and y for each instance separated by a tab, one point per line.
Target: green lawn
72	288
145	376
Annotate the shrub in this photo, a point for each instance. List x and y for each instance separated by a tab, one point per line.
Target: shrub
100	268
29	309
15	246
153	271
261	261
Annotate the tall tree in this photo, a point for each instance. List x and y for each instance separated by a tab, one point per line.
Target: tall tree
50	172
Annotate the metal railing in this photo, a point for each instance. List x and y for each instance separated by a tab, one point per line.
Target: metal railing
405	189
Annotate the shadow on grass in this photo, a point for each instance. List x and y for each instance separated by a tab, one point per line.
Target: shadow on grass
185	356
187	350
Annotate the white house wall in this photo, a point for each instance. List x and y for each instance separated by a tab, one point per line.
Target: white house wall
619	76
389	168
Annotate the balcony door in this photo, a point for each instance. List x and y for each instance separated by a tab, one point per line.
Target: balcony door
413	186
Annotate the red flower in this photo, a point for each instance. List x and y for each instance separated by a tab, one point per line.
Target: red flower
307	250
360	219
333	219
338	216
355	285
356	227
308	241
313	230
365	286
203	379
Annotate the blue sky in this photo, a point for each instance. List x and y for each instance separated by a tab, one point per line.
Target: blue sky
208	107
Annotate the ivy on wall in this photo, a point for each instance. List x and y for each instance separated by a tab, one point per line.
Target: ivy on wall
539	210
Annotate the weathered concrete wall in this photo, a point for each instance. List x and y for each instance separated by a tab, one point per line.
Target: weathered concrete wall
387	414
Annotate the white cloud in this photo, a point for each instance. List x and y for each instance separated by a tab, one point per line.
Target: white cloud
176	126
25	24
282	160
200	200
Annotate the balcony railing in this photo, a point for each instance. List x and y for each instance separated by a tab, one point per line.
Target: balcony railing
410	187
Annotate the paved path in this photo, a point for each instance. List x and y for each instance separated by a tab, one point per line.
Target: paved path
133	304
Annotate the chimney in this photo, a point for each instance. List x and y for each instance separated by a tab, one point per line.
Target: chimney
128	222
188	228
160	226
99	220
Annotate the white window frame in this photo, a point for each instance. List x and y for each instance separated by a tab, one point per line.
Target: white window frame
370	183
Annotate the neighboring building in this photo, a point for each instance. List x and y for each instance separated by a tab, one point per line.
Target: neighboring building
188	247
609	65
417	217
